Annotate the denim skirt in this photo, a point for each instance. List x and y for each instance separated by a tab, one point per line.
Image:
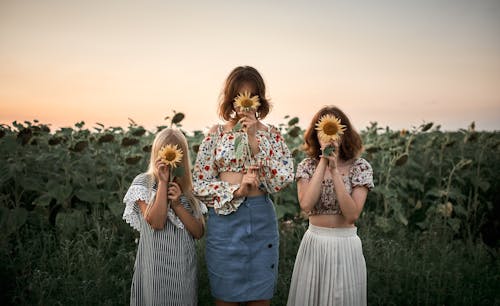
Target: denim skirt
242	251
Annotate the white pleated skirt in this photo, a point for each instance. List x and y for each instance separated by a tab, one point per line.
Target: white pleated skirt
330	269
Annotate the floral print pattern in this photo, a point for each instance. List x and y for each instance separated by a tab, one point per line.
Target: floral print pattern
217	154
360	174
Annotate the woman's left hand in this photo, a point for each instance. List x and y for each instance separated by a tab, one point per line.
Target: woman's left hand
174	193
333	157
249	122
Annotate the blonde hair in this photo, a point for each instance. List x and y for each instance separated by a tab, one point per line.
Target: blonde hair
175	137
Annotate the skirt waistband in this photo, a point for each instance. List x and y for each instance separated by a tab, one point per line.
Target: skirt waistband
333	231
249	200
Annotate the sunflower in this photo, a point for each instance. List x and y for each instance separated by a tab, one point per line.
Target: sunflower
329	128
170	155
245	102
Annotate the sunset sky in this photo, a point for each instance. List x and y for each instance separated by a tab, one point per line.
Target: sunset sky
398	62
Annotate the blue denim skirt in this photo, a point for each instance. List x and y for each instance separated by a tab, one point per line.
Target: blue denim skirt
242	251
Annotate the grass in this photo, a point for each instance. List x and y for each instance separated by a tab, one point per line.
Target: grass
95	267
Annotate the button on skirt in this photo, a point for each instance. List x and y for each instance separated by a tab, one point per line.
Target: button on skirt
242	251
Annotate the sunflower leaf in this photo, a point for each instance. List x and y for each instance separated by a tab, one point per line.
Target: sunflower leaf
328	151
237	127
237	141
239	147
178	172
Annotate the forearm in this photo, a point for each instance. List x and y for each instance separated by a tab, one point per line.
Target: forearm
193	225
156	213
348	206
311	193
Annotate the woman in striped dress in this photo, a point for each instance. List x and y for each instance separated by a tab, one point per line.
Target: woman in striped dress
332	185
169	219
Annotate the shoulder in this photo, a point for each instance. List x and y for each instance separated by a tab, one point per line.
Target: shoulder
214	129
308	162
361	165
143	179
270	131
269	128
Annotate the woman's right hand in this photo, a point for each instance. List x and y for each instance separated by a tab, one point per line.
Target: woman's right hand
249	181
163	173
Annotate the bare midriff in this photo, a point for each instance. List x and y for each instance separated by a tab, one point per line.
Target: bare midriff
235	178
329	221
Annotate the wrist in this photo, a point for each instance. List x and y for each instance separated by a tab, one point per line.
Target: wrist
175	204
238	193
334	171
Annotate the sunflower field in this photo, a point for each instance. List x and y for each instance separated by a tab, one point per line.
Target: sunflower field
430	227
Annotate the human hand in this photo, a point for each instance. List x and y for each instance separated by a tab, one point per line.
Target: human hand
329	152
174	193
250	180
163	171
248	120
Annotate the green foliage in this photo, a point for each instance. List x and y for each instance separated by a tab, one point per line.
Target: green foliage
424	225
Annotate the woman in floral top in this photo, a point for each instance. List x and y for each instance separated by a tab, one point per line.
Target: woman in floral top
238	164
332	185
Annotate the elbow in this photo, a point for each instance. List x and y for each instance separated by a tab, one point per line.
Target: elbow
351	218
157	226
198	233
307	207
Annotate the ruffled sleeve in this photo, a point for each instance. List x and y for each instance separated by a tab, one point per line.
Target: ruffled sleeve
362	174
276	162
140	189
143	189
206	183
305	169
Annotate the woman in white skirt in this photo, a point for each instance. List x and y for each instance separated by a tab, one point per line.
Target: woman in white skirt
332	185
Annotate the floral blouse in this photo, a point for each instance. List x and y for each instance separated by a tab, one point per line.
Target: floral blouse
217	154
360	174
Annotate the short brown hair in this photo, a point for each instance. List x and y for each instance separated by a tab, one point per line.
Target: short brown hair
351	145
237	77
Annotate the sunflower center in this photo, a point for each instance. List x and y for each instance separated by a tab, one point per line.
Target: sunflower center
330	128
170	156
247	103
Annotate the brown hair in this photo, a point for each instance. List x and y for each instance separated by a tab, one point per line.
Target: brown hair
238	77
351	145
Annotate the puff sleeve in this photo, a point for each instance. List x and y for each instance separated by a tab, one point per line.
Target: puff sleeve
143	188
362	174
206	183
305	169
276	162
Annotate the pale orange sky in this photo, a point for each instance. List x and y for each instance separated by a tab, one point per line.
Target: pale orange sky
399	63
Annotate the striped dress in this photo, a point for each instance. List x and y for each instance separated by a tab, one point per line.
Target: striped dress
165	270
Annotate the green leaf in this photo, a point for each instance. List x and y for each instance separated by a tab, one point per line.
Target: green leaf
71	222
237	127
328	151
116	208
89	195
16	218
43	200
293	121
177	118
239	149
178	172
401	218
237	141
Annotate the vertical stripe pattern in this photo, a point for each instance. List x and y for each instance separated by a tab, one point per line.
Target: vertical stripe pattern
165	271
330	268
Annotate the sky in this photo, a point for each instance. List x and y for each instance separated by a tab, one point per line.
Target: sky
399	63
